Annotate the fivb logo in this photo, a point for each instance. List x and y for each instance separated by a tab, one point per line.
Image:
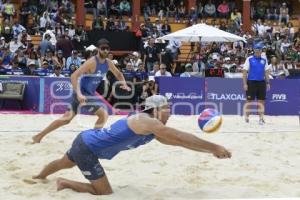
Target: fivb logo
279	98
62	85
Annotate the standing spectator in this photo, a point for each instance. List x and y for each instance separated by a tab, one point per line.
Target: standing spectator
223	10
8	10
45	44
210	10
152	55
256	81
284	13
24	13
65	44
125	8
57	72
74	59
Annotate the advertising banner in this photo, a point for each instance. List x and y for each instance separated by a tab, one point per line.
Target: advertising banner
186	95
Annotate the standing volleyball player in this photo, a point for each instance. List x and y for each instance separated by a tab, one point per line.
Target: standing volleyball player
256	81
85	81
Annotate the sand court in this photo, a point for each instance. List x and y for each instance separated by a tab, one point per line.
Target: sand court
265	161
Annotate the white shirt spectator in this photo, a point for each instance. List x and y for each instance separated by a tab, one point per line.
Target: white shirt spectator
59	76
13	46
17	29
174	45
158	73
52	35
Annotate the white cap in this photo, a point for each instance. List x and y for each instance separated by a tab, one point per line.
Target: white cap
155	101
2	38
115	62
31	62
136	54
227	59
215	57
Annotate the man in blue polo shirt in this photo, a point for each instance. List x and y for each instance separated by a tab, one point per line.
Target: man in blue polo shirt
256	81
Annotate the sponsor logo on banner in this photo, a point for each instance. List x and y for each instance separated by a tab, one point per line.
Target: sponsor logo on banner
279	98
226	97
62	85
170	96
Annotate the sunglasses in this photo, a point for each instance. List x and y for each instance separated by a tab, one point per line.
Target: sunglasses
104	48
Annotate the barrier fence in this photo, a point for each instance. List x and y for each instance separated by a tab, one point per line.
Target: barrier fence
188	96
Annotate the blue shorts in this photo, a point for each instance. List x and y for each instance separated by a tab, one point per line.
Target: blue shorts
86	161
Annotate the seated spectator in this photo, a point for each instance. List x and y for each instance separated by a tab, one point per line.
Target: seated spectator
136	60
236	16
33	58
101	8
32	66
125	8
284	13
277	70
8	10
122	25
146	11
187	70
163	71
57	72
50	58
60	58
181	12
17	29
45	44
155	69
46	66
24	14
90	7
110	25
7	34
210	10
166	28
114	8
260	10
73	59
2	42
171	9
44	20
227	64
6	58
98	23
223	10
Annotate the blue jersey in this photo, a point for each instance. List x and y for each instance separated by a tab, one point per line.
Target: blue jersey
256	67
90	82
105	143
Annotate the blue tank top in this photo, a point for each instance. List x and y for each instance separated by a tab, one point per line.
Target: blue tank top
257	68
105	143
90	82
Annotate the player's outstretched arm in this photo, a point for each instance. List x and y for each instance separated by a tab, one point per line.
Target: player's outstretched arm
171	136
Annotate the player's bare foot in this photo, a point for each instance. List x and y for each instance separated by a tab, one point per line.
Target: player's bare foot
36	139
61	184
38	177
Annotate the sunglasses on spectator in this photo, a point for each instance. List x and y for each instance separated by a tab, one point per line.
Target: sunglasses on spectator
104	48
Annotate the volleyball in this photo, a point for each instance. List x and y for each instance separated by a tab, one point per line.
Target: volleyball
209	120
